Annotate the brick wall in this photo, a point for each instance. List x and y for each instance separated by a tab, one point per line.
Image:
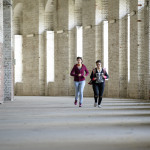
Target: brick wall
65	15
88	18
7	51
123	63
113	49
1	54
62	51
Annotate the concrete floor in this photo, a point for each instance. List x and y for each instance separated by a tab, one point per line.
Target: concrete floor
54	123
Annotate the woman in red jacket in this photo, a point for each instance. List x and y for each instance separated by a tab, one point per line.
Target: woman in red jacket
79	71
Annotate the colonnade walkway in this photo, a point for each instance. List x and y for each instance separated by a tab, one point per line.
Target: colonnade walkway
54	123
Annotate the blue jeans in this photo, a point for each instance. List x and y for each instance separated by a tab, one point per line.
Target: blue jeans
79	88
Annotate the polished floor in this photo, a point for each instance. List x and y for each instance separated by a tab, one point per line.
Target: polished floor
54	123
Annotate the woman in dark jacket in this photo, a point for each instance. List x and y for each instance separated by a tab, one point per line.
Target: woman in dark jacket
79	71
98	77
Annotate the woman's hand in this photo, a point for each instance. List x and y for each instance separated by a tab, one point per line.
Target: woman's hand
103	76
79	75
94	79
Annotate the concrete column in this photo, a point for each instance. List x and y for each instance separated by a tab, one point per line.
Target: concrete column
113	49
1	54
7	50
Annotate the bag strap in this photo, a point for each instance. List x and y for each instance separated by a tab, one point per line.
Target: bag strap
94	70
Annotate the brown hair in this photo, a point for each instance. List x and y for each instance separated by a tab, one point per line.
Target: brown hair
79	58
98	61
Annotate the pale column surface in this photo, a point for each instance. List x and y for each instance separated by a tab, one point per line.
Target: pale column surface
54	123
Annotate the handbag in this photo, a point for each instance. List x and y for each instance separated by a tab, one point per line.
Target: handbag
90	82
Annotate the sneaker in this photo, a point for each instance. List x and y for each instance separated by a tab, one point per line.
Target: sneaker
95	104
80	105
75	102
99	106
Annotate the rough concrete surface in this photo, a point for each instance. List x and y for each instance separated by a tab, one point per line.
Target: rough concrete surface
54	123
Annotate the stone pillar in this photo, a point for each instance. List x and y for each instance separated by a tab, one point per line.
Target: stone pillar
113	49
1	54
7	50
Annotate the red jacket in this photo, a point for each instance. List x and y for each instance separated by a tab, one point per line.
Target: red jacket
75	71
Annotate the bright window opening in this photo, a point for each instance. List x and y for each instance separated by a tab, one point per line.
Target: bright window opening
105	44
128	48
79	41
50	55
18	57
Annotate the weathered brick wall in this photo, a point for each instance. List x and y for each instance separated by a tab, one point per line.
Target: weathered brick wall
62	51
65	15
123	63
149	52
1	54
146	58
88	18
141	49
133	84
101	14
75	17
31	48
7	51
113	49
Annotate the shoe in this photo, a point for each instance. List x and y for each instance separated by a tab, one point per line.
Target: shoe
80	105
99	106
95	104
75	102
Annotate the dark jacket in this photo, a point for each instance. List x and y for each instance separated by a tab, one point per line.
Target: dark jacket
93	74
75	71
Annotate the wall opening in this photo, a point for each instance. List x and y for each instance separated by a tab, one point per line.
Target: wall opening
79	41
18	58
105	44
50	55
128	42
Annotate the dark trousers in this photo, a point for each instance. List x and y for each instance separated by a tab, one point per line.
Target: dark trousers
98	89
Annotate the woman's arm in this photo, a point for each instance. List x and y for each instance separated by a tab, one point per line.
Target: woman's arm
87	72
92	76
72	73
106	76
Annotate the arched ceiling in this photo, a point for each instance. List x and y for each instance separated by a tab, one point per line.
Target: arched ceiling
18	10
49	5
